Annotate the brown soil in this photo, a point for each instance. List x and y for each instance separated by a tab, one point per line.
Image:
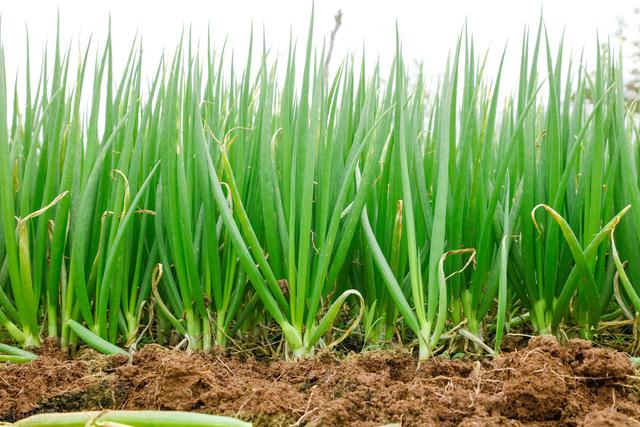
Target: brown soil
542	384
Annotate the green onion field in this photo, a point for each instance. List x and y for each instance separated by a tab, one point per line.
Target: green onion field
228	204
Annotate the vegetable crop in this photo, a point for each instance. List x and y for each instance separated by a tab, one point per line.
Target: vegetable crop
130	419
281	201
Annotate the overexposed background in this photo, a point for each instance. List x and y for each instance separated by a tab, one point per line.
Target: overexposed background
428	28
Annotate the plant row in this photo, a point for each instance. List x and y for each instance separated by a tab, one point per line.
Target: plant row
217	202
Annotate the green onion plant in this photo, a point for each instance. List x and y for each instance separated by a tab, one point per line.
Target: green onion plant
212	203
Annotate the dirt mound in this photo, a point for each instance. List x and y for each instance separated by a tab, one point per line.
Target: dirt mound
542	384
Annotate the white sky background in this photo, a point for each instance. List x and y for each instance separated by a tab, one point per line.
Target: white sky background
428	28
